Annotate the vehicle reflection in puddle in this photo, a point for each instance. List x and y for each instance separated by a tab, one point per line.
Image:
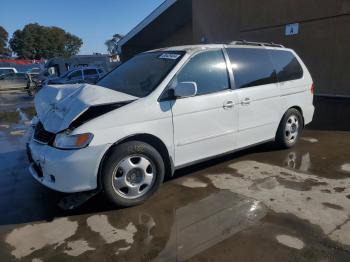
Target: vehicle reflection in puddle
328	157
201	225
190	229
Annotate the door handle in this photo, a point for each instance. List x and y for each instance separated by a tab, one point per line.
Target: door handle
228	104
246	101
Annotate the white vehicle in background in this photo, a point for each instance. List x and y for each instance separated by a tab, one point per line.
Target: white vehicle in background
166	109
34	71
7	70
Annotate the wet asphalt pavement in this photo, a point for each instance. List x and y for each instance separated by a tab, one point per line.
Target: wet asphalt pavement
260	204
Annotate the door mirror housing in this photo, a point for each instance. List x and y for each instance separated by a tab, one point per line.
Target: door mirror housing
185	89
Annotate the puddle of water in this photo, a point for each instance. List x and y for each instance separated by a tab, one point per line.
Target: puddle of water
203	224
290	192
9	117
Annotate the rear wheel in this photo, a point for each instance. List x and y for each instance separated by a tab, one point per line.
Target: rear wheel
132	173
290	129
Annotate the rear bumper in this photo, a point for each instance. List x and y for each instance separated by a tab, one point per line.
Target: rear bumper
67	171
308	114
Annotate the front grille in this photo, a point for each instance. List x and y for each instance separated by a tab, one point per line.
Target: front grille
41	135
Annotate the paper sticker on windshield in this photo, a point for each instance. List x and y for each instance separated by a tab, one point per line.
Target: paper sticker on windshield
169	56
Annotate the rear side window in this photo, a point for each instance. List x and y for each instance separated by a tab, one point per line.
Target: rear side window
286	64
208	70
76	74
20	76
89	72
251	67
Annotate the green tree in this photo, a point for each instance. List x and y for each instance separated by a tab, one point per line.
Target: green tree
37	42
112	44
3	41
73	44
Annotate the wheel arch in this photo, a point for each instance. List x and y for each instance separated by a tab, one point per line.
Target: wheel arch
152	140
292	107
300	111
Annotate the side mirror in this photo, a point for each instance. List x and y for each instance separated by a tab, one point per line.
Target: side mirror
185	89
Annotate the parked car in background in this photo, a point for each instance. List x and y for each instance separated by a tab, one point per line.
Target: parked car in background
34	71
58	66
81	75
16	81
38	79
7	70
201	102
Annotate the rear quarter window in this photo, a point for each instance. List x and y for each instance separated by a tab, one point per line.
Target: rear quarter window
286	64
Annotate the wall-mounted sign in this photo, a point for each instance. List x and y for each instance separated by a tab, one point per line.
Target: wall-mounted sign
292	29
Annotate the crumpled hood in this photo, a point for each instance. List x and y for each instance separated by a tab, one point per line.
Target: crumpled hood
58	106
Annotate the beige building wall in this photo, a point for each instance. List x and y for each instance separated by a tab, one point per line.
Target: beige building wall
183	36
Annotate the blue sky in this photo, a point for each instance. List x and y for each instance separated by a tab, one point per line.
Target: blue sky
92	20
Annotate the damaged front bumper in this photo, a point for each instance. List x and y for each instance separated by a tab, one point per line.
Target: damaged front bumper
67	171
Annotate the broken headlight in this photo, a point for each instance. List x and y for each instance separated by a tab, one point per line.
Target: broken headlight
67	141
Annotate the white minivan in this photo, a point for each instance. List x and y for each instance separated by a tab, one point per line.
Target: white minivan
166	109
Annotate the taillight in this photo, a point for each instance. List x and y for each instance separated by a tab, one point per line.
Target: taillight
312	89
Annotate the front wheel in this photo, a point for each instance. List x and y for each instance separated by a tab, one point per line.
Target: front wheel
290	129
132	173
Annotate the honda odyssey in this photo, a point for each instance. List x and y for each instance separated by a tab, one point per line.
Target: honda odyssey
166	109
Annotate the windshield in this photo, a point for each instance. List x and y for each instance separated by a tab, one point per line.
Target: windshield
142	74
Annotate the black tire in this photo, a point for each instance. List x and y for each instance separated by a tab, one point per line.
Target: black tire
116	156
282	140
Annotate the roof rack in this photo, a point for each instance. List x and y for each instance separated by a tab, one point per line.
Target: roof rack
244	42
